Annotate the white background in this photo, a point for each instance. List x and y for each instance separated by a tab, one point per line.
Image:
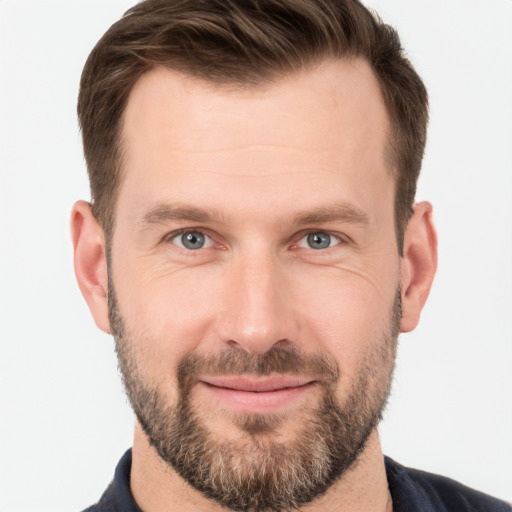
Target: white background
64	420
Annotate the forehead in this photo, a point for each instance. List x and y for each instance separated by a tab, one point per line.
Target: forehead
315	125
188	112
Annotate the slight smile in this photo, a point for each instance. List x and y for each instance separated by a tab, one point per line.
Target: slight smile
256	394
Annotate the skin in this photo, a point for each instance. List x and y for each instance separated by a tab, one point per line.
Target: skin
259	162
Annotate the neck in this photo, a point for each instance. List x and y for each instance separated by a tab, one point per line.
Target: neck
155	485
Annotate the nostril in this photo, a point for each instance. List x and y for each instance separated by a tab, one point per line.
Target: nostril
282	343
234	344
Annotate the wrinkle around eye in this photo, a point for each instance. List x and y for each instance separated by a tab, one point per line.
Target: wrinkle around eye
365	272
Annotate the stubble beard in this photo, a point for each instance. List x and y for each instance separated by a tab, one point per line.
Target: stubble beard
257	472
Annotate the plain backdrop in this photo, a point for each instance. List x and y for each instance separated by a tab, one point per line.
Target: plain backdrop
64	421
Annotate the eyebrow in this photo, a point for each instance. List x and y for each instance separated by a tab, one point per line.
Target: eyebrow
345	212
162	213
337	213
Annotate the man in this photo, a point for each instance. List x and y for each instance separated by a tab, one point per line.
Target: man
253	247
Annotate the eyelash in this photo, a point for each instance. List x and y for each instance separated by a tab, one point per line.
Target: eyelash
171	236
340	238
334	237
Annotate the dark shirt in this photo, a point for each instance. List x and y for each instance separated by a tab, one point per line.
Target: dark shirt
411	490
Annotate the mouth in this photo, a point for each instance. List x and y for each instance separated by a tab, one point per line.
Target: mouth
258	394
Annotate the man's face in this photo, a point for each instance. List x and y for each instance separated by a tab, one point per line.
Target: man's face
254	278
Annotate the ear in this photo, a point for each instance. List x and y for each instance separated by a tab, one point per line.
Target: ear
90	262
418	264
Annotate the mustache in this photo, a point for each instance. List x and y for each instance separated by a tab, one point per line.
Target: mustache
281	360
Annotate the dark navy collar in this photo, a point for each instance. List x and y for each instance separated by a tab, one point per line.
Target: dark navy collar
118	497
412	491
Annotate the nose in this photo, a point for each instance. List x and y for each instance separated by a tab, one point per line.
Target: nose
258	308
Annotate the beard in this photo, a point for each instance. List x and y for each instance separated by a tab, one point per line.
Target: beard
257	471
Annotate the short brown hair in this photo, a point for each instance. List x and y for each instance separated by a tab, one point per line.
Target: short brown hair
244	43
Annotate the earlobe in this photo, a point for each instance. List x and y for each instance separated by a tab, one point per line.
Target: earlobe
418	265
90	261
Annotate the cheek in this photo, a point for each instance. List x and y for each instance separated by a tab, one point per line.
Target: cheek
170	309
348	313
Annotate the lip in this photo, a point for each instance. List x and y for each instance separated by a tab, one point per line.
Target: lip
257	394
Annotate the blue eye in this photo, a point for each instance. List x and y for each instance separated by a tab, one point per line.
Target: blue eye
318	240
192	240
